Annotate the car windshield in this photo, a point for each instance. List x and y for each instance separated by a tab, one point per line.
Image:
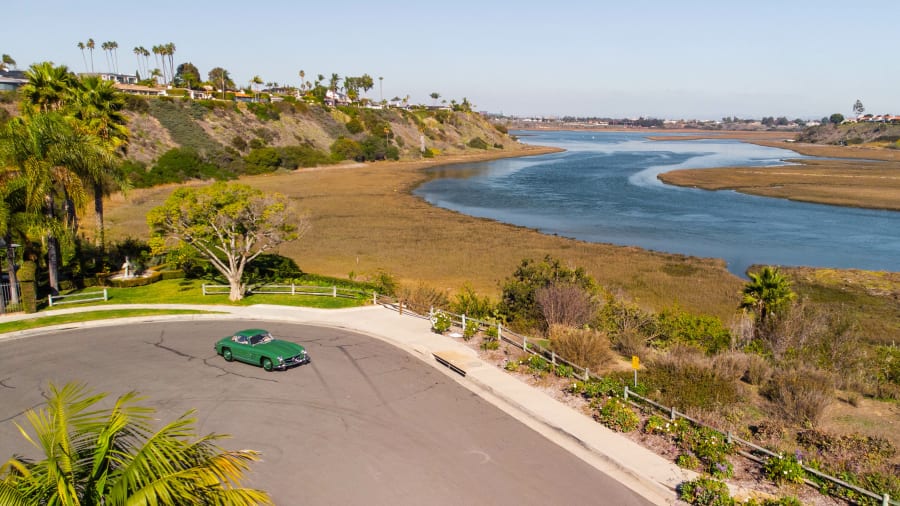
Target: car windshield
260	339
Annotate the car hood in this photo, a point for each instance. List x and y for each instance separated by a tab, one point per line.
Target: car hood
282	349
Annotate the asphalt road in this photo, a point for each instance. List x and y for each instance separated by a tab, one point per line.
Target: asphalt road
363	423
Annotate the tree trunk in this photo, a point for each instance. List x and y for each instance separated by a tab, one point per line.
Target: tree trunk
98	212
237	289
53	264
13	278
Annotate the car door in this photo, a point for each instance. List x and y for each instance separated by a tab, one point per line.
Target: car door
241	348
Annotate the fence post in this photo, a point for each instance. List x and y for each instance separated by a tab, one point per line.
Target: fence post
50	300
728	438
499	332
625	392
400	307
204	288
553	357
333	291
587	374
464	322
524	343
105	295
293	288
886	500
672	414
374	298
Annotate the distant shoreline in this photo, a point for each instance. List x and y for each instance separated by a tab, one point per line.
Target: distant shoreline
848	178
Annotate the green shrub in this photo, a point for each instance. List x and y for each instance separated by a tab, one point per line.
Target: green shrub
564	371
428	153
688	461
705	492
471	329
262	161
490	344
706	332
511	365
238	143
441	322
27	275
594	388
354	126
477	143
346	149
469	303
688	380
538	363
618	416
708	444
783	469
721	469
659	425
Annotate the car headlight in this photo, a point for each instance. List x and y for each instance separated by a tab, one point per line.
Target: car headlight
280	360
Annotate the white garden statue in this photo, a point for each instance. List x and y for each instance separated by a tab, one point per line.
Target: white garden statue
128	267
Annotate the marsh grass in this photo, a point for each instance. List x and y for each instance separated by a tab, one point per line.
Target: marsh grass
365	220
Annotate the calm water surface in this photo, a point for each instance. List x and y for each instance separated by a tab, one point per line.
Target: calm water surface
604	189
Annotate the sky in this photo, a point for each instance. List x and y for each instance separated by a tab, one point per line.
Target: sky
687	59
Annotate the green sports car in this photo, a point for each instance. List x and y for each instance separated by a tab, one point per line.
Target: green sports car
258	347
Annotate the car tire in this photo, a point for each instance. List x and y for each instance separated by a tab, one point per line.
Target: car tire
226	353
267	364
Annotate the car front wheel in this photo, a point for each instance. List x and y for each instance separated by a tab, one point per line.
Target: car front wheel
267	364
226	353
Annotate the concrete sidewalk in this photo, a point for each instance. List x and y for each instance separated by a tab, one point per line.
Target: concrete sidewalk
645	472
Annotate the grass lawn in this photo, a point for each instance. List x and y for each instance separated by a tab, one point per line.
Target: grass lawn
190	291
44	321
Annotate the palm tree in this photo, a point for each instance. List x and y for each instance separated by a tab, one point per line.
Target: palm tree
7	60
170	52
44	149
108	54
90	46
302	76
98	106
81	46
116	457
435	96
48	87
157	51
254	83
137	56
14	222
114	46
381	89
767	293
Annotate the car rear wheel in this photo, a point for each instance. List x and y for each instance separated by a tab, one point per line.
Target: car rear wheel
267	364
227	354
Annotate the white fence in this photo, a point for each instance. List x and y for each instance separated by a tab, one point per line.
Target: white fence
7	304
292	289
56	300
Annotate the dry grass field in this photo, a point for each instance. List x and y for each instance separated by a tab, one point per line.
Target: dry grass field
364	219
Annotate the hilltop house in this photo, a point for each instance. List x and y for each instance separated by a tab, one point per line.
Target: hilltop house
336	98
11	80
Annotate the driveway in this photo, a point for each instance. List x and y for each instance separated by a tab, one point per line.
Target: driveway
363	423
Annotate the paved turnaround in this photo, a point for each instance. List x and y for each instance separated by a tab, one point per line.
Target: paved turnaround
363	423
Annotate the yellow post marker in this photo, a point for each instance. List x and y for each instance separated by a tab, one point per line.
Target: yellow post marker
635	364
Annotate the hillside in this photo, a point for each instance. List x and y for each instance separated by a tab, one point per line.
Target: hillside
883	134
227	134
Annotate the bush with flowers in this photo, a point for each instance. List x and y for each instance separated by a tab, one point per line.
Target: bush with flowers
784	469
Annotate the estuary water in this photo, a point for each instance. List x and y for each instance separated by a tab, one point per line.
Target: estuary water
604	188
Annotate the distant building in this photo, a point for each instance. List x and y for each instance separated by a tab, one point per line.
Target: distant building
336	98
11	80
137	89
117	78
